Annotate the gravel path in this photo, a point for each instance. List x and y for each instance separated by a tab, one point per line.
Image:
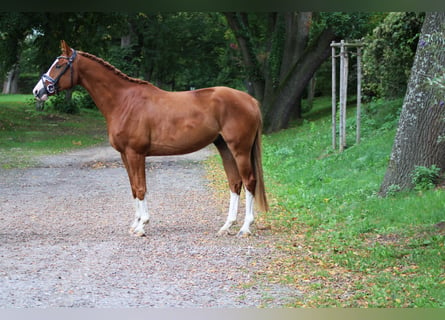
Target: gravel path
64	238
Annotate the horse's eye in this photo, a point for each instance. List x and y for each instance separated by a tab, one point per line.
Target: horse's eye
58	66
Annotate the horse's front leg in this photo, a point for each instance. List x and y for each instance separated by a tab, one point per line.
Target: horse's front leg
142	217
135	165
249	218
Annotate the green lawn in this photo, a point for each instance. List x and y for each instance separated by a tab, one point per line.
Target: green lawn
25	132
346	245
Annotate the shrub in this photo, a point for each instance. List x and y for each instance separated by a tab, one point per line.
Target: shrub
84	100
61	104
389	54
424	178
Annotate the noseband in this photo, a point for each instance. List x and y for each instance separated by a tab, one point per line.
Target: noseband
52	86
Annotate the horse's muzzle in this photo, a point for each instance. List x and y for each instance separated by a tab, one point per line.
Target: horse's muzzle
40	92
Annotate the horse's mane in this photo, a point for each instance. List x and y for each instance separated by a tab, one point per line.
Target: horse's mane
112	68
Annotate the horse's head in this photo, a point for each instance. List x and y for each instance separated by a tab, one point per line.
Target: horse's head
60	75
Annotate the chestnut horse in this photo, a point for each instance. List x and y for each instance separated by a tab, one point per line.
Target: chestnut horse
143	120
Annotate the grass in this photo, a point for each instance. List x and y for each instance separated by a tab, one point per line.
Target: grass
359	249
26	133
344	245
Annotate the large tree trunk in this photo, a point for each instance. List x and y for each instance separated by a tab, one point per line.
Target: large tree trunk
10	85
240	26
297	28
279	112
420	136
280	68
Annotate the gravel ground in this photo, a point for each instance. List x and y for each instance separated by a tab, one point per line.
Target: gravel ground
64	238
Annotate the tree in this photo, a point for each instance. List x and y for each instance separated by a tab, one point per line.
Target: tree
177	50
41	32
282	51
86	31
420	135
14	28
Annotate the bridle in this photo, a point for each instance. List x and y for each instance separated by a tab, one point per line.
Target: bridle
52	86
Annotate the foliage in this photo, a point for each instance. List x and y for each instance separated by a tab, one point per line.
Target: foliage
14	27
424	178
177	50
97	30
83	99
80	99
380	114
60	103
125	60
389	54
347	26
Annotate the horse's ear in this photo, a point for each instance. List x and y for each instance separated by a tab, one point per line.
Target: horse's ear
66	50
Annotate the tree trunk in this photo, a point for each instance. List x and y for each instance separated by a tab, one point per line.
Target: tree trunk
10	85
297	26
239	25
280	111
420	135
311	92
279	67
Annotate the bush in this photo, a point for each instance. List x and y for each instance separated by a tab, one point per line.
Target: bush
389	54
381	115
61	104
424	178
80	99
84	100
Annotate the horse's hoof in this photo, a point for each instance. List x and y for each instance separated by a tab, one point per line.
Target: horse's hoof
225	232
140	234
243	234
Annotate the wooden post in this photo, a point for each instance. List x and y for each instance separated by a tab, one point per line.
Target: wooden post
342	74
343	93
359	93
334	100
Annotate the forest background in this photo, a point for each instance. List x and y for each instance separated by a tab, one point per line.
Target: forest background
280	58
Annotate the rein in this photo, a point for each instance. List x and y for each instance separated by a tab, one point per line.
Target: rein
52	86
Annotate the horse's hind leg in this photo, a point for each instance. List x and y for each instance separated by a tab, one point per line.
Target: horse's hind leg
241	149
246	172
235	184
135	165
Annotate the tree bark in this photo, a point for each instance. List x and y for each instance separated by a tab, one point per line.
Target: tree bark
279	112
420	135
297	26
10	85
239	25
280	68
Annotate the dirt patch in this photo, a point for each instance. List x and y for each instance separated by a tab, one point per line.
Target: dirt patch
52	117
65	242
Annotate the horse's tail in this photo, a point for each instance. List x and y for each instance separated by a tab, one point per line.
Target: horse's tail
260	191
